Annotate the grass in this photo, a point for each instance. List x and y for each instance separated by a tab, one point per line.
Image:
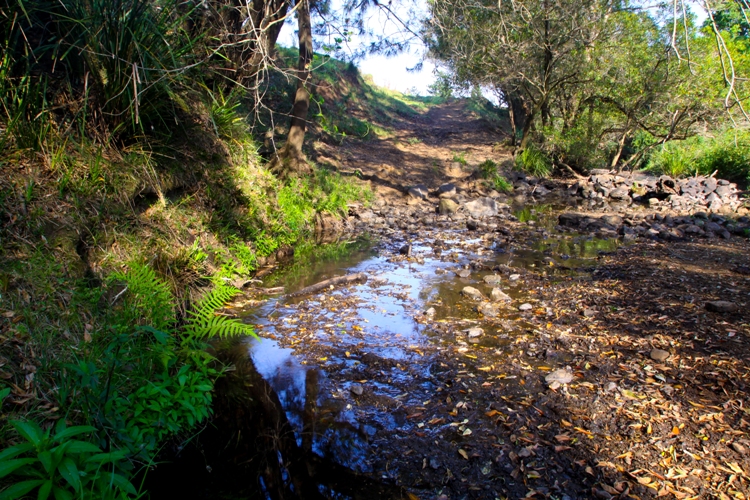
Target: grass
728	154
533	161
488	170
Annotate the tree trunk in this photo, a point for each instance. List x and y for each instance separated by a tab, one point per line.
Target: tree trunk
291	160
620	147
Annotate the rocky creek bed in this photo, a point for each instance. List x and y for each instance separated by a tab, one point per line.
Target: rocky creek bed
540	352
565	341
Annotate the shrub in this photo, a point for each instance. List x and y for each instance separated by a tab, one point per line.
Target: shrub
533	161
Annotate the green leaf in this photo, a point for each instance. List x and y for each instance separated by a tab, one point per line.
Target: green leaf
73	431
104	458
122	483
15	450
19	489
8	466
61	494
45	490
29	430
69	471
45	458
76	446
4	393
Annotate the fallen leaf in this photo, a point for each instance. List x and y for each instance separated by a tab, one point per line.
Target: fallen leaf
463	453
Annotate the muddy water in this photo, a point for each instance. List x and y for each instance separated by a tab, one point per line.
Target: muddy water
346	362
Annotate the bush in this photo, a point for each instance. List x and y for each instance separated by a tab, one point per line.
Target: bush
533	161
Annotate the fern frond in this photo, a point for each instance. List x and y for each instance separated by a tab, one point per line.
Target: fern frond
148	295
205	323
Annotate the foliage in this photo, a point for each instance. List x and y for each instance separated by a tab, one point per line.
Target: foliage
124	59
533	161
728	154
55	464
460	157
488	170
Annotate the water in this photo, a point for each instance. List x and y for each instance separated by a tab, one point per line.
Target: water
315	351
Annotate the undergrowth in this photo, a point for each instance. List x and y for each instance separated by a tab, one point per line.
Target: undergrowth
488	170
728	154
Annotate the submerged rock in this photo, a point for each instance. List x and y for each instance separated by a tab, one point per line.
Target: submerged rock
498	295
473	293
559	377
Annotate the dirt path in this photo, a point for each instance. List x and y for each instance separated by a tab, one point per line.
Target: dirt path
601	371
423	150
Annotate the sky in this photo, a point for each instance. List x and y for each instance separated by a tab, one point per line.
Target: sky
389	72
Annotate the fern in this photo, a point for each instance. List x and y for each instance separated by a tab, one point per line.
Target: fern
148	296
205	323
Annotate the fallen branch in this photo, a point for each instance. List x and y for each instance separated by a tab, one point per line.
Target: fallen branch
330	283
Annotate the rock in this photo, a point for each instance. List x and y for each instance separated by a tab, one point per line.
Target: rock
498	295
514	277
612	220
570	219
434	464
588	313
472	293
493	279
447	207
659	355
721	306
482	207
489	309
463	273
560	376
356	389
525	307
619	194
474	332
405	250
430	312
419	192
446	191
472	225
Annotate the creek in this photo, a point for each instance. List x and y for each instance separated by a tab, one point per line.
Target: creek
337	377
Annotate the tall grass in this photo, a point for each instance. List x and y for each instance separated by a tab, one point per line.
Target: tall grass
118	64
533	161
728	154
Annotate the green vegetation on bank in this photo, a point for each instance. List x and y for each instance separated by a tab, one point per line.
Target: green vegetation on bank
132	195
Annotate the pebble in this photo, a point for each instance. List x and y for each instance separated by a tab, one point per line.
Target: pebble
659	355
525	307
559	376
357	389
463	273
430	312
588	313
474	332
721	306
514	277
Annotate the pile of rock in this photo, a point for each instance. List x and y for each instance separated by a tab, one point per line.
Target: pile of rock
657	226
683	195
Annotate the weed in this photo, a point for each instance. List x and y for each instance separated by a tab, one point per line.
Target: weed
488	170
460	158
413	141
